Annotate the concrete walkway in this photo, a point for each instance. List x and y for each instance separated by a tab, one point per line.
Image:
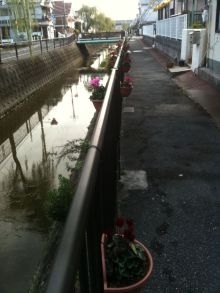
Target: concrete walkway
170	183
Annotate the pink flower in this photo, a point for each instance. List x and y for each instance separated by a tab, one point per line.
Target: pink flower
95	82
127	79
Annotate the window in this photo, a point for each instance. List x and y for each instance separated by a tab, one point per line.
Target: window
217	24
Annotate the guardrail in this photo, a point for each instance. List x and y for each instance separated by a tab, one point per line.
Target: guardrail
94	204
101	37
24	49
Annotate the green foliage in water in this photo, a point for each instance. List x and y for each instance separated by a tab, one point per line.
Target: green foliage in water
72	150
59	200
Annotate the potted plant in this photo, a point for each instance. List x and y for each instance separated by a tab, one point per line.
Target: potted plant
111	60
126	66
127	264
98	92
127	56
126	86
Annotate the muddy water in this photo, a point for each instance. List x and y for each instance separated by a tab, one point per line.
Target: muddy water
31	139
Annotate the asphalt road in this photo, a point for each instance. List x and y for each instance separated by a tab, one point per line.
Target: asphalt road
170	160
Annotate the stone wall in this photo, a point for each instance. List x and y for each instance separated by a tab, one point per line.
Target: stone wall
171	47
20	79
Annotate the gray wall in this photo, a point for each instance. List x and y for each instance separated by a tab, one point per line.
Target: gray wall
20	79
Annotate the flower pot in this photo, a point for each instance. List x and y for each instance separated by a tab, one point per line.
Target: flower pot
97	104
134	288
126	66
127	57
125	91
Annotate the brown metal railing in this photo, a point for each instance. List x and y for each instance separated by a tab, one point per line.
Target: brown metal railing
94	205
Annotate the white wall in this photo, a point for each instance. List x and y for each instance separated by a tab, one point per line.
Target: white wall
199	50
148	30
186	46
213	38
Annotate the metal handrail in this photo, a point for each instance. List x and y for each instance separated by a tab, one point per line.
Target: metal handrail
19	50
86	220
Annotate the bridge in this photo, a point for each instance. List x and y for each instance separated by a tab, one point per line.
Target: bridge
101	37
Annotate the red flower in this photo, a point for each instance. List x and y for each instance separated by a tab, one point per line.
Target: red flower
119	222
129	234
130	222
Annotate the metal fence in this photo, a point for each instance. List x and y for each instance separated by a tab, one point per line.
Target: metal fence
94	204
172	27
103	35
24	49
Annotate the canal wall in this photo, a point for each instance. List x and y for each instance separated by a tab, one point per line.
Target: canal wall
20	79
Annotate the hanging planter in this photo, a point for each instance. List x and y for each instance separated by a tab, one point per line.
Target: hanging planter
125	91
127	57
97	104
98	92
126	263
126	66
126	86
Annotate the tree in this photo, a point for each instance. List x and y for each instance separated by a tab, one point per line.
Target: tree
87	14
21	19
103	23
93	20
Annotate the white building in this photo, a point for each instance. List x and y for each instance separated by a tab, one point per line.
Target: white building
13	17
211	69
146	16
189	31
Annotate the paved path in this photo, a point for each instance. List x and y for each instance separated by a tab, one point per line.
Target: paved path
170	184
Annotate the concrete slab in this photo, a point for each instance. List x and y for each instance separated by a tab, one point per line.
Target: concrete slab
134	179
128	110
178	69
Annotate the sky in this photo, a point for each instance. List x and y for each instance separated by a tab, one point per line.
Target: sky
115	9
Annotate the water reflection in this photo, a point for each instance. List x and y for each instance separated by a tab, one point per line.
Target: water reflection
29	149
30	143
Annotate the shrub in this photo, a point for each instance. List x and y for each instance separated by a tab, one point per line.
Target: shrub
59	200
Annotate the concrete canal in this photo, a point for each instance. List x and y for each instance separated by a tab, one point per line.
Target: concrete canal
31	139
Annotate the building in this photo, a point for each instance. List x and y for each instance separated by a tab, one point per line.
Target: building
188	32
147	16
64	17
211	69
32	20
44	19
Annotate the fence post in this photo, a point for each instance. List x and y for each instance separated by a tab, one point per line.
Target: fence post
16	50
41	49
46	45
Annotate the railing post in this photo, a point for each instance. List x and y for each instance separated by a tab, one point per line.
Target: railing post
16	50
46	44
41	49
